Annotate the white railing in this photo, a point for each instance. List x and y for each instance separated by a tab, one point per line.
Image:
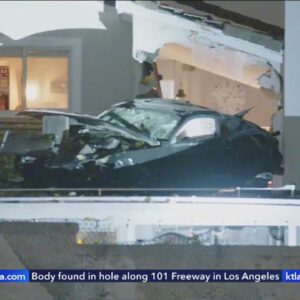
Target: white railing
127	212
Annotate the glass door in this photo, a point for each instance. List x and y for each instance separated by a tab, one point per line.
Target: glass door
11	72
34	78
47	79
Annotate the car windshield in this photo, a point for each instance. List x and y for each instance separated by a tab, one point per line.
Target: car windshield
157	124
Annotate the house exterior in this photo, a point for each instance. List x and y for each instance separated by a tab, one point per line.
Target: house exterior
88	70
81	70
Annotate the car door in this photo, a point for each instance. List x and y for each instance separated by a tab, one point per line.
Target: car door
244	154
199	164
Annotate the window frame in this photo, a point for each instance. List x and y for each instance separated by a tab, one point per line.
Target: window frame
193	139
48	44
45	53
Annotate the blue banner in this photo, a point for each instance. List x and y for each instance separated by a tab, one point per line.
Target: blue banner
291	276
144	276
14	276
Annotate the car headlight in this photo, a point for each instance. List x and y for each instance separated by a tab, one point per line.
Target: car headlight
27	159
125	162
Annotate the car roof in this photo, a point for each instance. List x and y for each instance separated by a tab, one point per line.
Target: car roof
183	107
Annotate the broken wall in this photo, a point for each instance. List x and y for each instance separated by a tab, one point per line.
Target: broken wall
198	84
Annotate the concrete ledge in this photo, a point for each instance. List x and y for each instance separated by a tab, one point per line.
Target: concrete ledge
52	246
16	291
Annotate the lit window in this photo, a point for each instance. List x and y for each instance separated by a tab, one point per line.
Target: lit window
47	82
10	83
46	78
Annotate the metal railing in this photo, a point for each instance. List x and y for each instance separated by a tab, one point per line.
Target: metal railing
237	191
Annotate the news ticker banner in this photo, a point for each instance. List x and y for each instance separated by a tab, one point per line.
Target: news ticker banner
201	276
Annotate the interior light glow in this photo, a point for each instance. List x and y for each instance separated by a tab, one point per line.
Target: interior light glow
32	91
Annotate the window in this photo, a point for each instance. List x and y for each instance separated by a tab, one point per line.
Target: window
155	123
47	82
10	83
31	78
197	128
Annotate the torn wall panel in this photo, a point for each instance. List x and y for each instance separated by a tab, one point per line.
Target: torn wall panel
148	21
219	46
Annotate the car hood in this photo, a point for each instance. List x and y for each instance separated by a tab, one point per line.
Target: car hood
94	121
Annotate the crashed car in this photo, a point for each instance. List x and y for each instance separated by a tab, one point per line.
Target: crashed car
144	143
